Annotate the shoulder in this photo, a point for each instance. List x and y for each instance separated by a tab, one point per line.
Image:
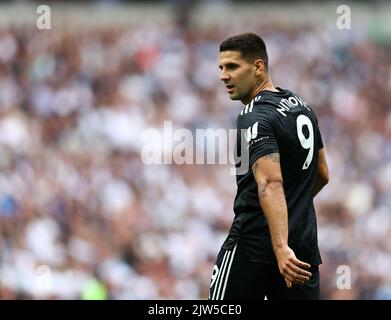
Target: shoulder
259	109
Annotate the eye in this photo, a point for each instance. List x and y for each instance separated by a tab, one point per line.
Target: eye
232	66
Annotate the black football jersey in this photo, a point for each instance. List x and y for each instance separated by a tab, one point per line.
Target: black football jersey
277	122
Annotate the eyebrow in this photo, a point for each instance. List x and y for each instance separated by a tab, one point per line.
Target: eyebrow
229	64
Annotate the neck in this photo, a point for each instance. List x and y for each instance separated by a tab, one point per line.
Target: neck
260	86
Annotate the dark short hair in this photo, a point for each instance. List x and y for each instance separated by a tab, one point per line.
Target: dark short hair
250	45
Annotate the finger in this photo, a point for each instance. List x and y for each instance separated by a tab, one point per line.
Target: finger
302	264
288	283
300	271
289	274
298	282
301	278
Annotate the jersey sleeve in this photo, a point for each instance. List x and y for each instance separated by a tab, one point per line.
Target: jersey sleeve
260	136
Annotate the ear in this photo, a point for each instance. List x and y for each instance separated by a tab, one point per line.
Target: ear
259	66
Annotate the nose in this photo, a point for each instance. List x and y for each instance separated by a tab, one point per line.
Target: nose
224	76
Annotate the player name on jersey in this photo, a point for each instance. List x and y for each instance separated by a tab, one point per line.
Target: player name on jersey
287	104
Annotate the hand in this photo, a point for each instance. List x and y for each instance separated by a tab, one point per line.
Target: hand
291	268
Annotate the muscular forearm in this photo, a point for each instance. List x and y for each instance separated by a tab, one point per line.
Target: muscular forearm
272	200
268	176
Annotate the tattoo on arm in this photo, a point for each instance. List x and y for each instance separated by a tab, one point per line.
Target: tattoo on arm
255	167
262	190
275	157
262	187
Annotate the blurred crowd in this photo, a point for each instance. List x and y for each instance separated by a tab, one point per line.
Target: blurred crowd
82	217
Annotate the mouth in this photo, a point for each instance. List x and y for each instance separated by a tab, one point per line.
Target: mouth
230	88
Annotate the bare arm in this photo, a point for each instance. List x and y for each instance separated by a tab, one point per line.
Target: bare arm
267	174
322	175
